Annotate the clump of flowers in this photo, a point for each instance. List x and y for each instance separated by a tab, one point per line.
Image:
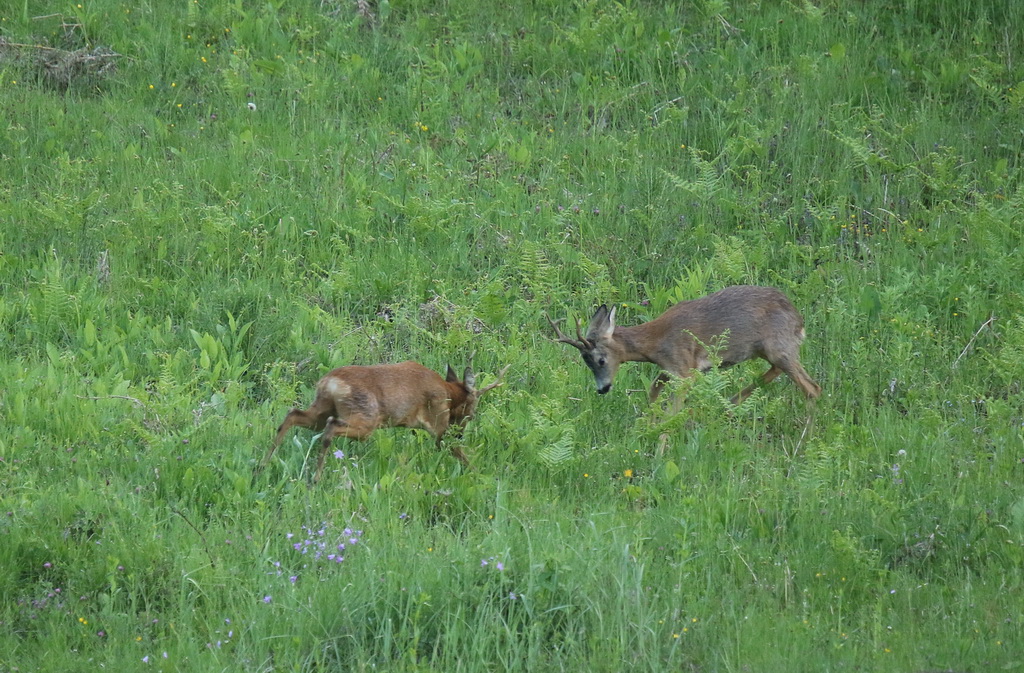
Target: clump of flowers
319	548
227	634
51	599
498	565
43	599
501	583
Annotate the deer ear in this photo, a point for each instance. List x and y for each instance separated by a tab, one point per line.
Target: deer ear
451	377
469	379
596	322
602	324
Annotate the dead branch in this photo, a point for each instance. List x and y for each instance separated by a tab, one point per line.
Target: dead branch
991	319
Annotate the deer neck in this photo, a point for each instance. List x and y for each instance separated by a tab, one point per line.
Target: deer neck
457	398
633	343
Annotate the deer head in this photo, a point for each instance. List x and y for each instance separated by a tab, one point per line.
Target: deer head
464	410
599	350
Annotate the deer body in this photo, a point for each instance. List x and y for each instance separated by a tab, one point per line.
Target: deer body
354	401
743	322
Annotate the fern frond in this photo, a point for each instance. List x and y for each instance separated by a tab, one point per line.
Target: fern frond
557	453
707	184
538	276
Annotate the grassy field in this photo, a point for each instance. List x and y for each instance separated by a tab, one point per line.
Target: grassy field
206	205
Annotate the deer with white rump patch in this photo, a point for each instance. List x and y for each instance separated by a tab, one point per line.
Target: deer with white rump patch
354	401
746	321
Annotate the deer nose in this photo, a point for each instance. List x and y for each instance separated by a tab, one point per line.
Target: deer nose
603	389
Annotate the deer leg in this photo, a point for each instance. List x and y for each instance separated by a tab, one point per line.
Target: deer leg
796	372
766	378
310	418
359	427
672	407
456	451
793	369
442	424
676	399
658	385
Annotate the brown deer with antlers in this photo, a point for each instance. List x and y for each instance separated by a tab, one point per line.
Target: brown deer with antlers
745	321
354	401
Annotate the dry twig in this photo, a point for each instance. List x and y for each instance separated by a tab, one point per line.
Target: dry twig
991	319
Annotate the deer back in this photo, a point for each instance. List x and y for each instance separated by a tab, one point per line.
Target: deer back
404	394
740	322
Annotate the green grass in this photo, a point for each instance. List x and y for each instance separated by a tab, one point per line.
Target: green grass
259	192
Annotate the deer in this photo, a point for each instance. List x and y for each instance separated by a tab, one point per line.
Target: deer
355	400
744	321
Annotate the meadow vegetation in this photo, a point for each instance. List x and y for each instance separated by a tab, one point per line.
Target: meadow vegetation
207	205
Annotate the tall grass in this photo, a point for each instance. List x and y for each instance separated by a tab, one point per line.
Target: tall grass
205	206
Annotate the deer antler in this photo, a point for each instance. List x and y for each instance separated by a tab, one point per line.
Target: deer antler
581	343
497	382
